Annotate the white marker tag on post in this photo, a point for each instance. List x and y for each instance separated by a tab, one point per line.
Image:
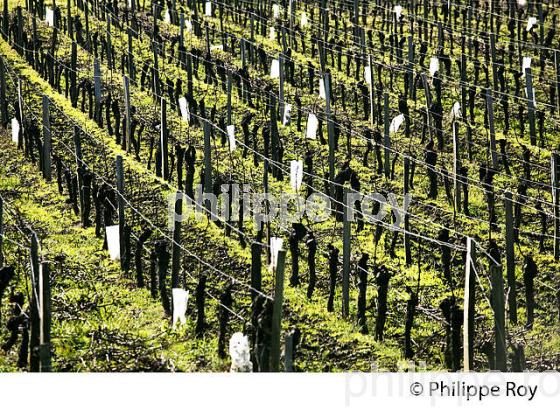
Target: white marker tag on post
275	69
180	301
276	10
312	125
456	111
296	174
398	11
240	353
525	65
275	246
322	92
304	20
208	9
396	123
531	22
188	25
434	65
49	17
15	130
113	242
271	33
231	136
167	17
287	114
367	74
184	108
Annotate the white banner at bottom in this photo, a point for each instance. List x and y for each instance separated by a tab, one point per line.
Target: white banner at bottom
281	390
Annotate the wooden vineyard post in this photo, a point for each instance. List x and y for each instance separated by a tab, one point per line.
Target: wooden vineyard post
229	96
330	127
176	248
182	55
20	102
97	89
355	20
243	54
69	27
469	306
490	109
130	56
456	166
128	124
274	138
45	338
346	257
407	249
47	142
80	169
207	32
73	75
196	21
35	340
207	163
463	75
498	306
120	201
1	233
266	167
387	137
492	40
292	13
557	67
222	34
289	353
371	93
428	104
5	20
50	62
531	105
321	57
86	12
554	175
189	74
277	311
110	64
164	141
3	102
325	20
510	259
281	87
410	68
156	85
19	28
132	6
182	29
256	267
